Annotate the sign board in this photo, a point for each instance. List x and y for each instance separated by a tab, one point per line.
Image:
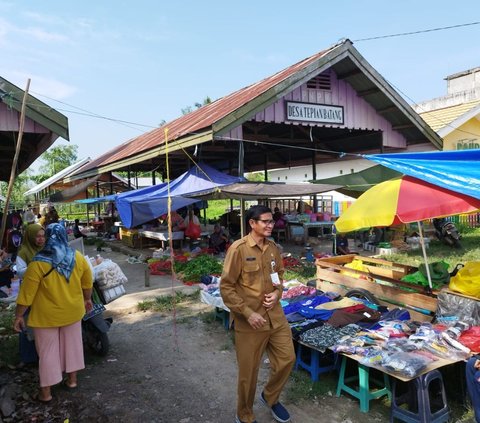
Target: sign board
311	112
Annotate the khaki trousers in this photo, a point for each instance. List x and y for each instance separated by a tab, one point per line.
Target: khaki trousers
250	347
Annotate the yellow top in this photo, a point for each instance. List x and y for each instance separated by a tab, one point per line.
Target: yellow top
53	301
246	279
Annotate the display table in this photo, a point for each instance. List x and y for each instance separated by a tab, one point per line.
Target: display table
367	388
309	225
162	236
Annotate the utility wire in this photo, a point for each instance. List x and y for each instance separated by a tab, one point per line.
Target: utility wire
423	31
445	123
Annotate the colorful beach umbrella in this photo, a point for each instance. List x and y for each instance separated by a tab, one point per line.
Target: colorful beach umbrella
404	200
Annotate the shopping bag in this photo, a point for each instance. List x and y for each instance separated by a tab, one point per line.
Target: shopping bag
467	279
193	231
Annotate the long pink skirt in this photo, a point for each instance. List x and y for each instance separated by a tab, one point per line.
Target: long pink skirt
59	350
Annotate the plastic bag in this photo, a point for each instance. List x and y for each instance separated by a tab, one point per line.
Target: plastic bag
467	279
355	265
109	274
471	338
438	273
193	231
406	364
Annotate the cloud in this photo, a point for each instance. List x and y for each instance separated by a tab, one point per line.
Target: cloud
40	86
7	29
42	35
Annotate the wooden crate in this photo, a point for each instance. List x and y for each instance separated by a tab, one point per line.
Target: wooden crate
130	238
381	279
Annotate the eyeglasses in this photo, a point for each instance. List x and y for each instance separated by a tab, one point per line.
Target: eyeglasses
266	222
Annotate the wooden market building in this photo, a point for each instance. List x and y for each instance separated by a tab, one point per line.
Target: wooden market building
330	107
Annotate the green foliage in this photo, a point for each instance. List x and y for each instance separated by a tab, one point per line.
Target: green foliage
6	320
54	160
218	207
20	185
257	177
168	302
194	269
190	109
305	272
438	251
300	386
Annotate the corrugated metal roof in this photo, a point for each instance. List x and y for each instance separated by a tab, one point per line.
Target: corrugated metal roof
232	110
57	177
201	118
35	109
440	118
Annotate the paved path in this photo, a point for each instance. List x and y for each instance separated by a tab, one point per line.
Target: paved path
135	288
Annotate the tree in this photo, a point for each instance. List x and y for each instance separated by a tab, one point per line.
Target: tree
189	109
21	184
54	160
256	176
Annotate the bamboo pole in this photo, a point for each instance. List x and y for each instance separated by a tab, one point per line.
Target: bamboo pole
14	163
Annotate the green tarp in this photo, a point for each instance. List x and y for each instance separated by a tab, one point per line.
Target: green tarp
355	184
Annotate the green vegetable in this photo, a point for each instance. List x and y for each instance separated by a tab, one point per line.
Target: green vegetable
197	267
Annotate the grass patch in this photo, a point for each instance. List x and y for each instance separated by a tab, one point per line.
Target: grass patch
438	251
9	350
208	317
169	302
6	321
300	387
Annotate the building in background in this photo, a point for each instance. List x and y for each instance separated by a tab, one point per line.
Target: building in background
456	115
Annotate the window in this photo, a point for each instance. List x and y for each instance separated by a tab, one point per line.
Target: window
306	175
341	172
320	82
286	177
352	170
279	178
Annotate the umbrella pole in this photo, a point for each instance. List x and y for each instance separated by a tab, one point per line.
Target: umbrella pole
424	251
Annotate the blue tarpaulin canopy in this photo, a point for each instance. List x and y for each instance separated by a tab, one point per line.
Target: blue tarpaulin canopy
458	171
140	206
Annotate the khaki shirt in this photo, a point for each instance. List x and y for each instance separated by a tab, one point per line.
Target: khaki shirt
246	279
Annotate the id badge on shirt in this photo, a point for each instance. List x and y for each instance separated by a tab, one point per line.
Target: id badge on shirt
275	278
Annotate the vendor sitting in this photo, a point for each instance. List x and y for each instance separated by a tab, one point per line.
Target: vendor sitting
341	242
77	232
279	219
178	223
218	240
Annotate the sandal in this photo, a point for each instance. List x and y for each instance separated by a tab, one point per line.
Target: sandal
67	386
45	401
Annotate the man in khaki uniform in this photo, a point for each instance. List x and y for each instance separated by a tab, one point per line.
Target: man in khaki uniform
251	288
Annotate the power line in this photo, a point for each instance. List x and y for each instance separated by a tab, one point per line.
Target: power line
423	31
445	123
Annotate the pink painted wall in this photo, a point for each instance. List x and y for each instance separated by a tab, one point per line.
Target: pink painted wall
10	121
358	114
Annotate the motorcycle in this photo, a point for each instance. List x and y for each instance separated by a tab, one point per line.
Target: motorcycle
95	326
447	232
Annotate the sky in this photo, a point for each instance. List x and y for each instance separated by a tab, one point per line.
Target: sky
106	62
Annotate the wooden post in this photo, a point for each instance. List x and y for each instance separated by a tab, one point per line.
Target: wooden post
14	163
147	275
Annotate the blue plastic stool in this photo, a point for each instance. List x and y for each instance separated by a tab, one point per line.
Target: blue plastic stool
419	388
224	316
314	365
364	394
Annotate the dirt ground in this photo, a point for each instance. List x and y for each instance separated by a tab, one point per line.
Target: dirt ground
162	371
167	367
